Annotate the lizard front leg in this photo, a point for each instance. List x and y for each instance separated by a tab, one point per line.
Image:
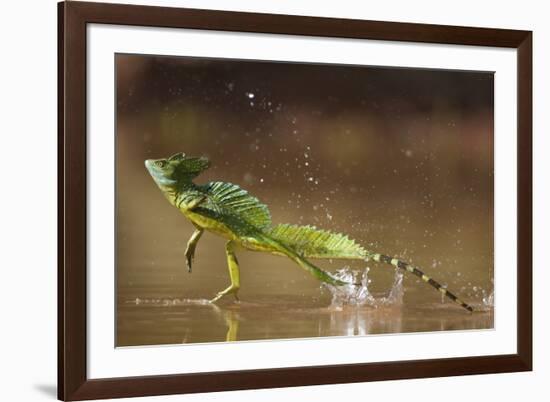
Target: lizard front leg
186	202
195	202
191	246
233	266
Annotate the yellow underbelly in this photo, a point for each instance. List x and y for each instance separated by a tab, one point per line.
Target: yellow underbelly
222	230
211	225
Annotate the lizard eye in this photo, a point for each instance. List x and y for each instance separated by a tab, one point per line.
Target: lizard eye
160	164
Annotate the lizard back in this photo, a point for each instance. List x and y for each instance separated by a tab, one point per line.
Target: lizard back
230	201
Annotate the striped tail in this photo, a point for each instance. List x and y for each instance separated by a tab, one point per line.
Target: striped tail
413	270
301	242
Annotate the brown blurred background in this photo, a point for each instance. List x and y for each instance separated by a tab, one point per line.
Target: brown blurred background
399	159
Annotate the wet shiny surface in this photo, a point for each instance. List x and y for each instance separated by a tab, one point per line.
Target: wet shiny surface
173	321
159	302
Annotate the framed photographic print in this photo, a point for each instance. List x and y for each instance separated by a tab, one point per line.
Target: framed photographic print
252	200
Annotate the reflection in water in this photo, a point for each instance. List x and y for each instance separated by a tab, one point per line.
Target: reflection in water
231	320
172	321
351	321
161	318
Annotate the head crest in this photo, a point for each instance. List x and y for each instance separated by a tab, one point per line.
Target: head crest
177	157
185	165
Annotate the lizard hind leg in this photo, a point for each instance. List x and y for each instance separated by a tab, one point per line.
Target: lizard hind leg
234	275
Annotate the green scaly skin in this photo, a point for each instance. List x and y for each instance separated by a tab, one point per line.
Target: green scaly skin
229	211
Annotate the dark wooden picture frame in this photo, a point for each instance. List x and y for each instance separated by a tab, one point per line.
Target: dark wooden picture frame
73	17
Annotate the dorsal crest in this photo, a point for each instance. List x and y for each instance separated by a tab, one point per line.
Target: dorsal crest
230	199
309	241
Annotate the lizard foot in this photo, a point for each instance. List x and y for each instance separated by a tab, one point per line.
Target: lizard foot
189	257
231	289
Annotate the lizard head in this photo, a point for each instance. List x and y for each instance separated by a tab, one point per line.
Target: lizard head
178	168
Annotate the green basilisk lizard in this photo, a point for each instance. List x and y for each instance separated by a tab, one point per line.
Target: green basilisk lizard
229	211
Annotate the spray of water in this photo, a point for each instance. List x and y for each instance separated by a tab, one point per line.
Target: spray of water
167	302
488	301
355	295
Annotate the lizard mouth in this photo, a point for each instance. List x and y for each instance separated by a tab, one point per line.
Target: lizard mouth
157	173
149	164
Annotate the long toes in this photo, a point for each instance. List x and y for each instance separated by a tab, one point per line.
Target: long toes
189	263
216	298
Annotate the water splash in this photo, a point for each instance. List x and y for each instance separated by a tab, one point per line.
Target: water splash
359	295
488	301
350	295
167	302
